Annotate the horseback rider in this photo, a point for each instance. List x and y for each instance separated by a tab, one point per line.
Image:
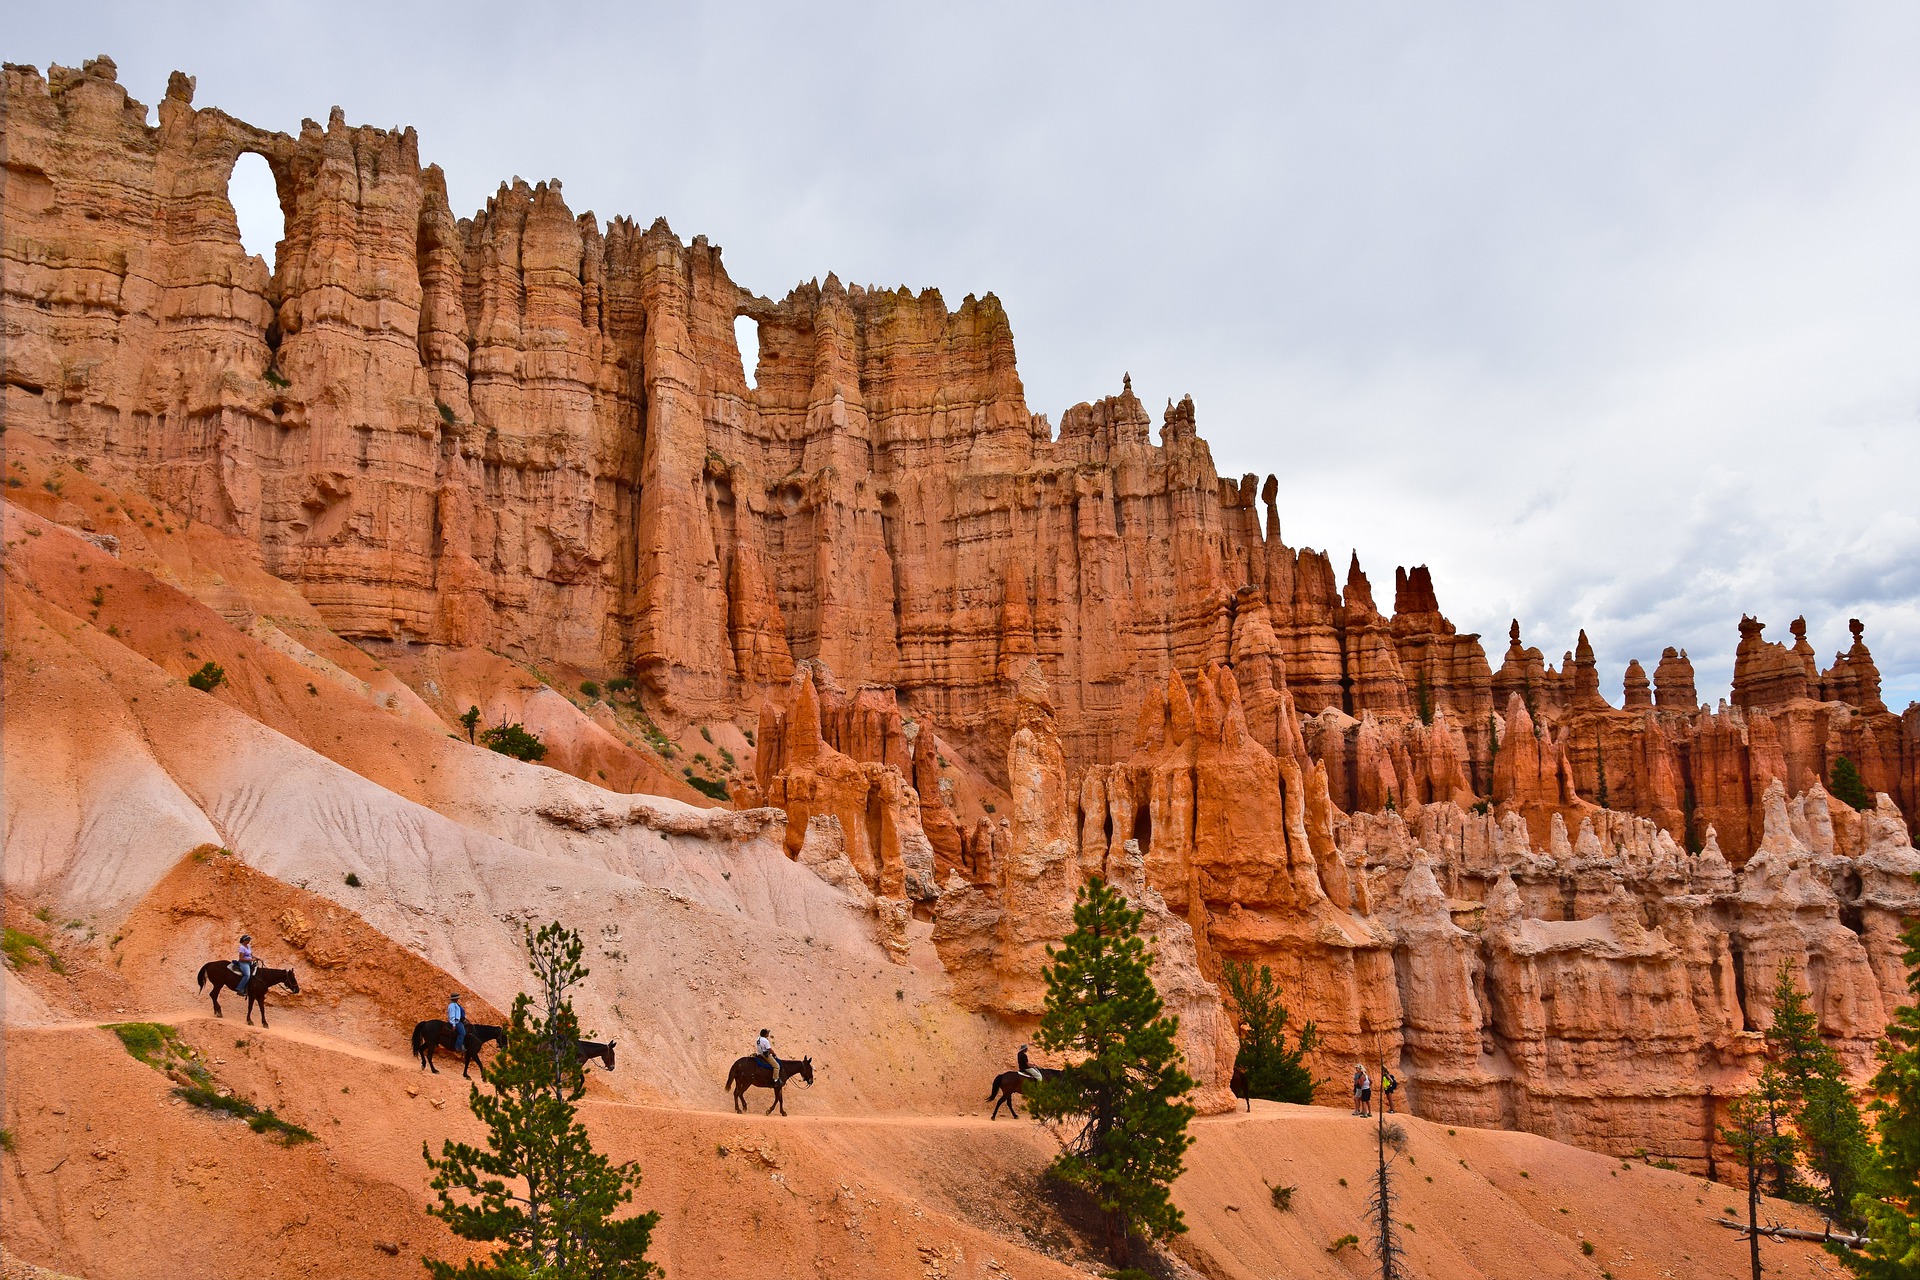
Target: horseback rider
457	1019
245	964
763	1050
1027	1068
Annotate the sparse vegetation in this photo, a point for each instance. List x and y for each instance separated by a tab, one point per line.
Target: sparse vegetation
8	1143
277	379
706	733
208	678
446	411
259	1119
1282	1198
22	949
513	739
469	719
619	684
590	688
1586	1247
353	881
1343	1242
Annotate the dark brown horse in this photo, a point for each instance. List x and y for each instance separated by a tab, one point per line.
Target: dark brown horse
1008	1083
589	1050
221	975
751	1073
437	1033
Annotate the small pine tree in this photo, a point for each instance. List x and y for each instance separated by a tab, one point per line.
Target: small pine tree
539	1188
1423	698
1752	1131
208	678
1819	1100
1890	1203
1272	1070
471	719
1847	786
1600	760
1128	1083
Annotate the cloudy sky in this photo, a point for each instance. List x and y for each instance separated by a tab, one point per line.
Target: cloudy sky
1607	312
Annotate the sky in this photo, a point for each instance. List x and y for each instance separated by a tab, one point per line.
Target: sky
1606	312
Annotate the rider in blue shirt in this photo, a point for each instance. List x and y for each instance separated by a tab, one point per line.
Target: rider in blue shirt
457	1019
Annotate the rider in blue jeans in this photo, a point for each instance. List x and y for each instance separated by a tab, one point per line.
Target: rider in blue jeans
457	1019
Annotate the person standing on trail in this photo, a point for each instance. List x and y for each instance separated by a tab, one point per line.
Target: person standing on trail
1389	1086
763	1050
245	963
1362	1091
457	1019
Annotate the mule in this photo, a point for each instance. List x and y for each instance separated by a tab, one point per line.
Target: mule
221	975
751	1073
437	1033
1008	1083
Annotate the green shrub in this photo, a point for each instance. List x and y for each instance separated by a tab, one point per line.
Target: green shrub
590	688
513	740
619	684
208	678
22	949
277	379
1586	1247
1282	1198
712	788
706	733
446	411
7	1142
353	881
1343	1242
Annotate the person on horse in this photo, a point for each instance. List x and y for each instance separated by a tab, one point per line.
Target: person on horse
763	1050
245	964
1027	1068
457	1019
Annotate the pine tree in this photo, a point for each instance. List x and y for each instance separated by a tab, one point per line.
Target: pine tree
1819	1100
1273	1071
539	1188
1128	1083
1891	1202
1752	1131
1847	785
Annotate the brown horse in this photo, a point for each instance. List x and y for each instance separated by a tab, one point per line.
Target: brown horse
589	1050
751	1073
437	1033
220	974
1008	1083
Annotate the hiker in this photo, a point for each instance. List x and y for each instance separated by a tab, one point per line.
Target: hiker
763	1050
1362	1091
245	964
1388	1085
457	1019
1027	1068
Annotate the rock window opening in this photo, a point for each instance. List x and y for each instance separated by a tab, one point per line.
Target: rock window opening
255	198
746	336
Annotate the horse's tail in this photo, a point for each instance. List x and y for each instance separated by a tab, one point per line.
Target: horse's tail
419	1038
994	1091
728	1082
200	979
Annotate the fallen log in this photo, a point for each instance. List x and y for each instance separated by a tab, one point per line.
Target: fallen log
1795	1233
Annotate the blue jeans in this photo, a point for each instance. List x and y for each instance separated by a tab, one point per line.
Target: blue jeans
460	1036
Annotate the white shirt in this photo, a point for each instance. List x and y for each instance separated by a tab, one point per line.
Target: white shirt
763	1045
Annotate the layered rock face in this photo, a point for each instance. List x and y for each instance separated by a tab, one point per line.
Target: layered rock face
531	431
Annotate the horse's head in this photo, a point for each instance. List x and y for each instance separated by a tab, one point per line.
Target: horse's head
293	983
806	1069
607	1057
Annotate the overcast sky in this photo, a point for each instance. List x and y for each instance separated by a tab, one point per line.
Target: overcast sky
1610	313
